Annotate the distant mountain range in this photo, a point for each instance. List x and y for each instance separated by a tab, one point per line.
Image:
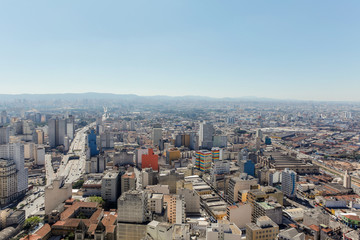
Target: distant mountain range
108	96
134	97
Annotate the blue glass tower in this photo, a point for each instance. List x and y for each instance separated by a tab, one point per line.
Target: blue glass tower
249	168
92	143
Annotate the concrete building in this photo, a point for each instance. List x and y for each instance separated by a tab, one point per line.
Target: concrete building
128	182
40	155
170	178
172	154
264	228
56	131
156	134
156	202
203	160
236	184
192	200
39	136
239	214
133	207
347	180
4	135
15	152
206	133
288	182
148	177
8	182
150	160
223	231
268	208
220	141
110	186
56	193
175	208
106	139
291	234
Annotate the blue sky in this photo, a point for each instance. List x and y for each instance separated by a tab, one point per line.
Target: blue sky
279	49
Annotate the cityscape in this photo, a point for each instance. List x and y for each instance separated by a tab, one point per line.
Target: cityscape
179	120
178	169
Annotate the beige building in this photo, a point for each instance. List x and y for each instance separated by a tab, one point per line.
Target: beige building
175	208
156	202
8	181
239	214
264	229
128	182
56	193
236	184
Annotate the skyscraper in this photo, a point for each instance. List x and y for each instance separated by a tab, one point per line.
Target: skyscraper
156	134
206	133
288	182
57	131
92	143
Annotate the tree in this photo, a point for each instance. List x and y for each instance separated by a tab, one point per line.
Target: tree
96	199
31	223
78	184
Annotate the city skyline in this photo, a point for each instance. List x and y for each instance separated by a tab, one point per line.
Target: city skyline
300	50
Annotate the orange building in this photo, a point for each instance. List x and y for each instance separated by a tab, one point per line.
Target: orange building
150	160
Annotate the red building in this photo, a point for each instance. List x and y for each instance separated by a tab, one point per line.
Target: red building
150	160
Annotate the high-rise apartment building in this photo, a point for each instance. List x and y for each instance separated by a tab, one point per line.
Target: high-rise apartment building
236	184
288	182
39	136
128	182
175	208
15	152
8	181
150	160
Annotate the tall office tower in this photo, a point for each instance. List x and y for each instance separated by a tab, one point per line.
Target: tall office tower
206	133
8	181
203	160
61	131
57	131
92	143
288	182
264	228
99	125
4	135
156	134
347	180
128	182
70	127
259	133
193	141
175	208
133	207
15	152
52	132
